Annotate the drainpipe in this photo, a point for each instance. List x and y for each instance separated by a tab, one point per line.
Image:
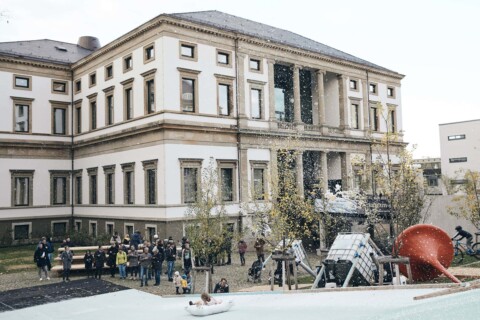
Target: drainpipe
239	175
369	123
72	182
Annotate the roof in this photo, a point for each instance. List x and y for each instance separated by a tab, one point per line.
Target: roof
44	50
247	27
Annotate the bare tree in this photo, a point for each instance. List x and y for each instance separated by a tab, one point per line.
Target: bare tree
467	197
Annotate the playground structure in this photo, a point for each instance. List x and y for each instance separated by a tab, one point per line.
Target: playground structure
421	252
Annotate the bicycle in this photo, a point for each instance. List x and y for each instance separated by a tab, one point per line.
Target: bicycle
460	249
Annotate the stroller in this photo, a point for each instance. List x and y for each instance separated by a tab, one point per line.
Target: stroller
255	272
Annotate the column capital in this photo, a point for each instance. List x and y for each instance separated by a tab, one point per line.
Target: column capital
341	76
271	61
320	72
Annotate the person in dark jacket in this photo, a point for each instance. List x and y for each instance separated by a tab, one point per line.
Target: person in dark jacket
463	234
88	260
221	287
145	260
186	258
170	256
99	258
40	257
47	247
242	248
136	239
67	257
157	261
112	259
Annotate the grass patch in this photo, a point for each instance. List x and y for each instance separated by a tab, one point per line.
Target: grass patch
16	259
468	261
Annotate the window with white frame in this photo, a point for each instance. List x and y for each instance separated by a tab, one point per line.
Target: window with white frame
22	82
109	173
259	179
59	187
227	178
355	116
59	119
22	187
150	169
190	175
128	182
93	185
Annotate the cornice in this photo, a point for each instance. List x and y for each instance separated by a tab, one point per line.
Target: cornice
197	27
34	63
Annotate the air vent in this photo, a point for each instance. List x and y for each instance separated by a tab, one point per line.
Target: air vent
59	48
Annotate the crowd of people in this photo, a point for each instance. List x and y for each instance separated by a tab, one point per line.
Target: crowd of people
134	258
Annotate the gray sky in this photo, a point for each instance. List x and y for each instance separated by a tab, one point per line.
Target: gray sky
435	43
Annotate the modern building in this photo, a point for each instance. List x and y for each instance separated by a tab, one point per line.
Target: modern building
431	170
460	148
114	137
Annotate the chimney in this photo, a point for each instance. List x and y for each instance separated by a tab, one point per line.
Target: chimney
89	43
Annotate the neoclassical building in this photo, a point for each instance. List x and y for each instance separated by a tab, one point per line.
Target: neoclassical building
102	138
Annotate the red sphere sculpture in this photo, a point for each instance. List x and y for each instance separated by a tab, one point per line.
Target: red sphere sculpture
430	251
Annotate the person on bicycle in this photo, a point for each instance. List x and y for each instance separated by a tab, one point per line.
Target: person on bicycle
463	234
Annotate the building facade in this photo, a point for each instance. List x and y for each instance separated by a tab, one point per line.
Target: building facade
460	148
108	138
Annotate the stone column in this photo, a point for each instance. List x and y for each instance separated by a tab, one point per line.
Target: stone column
368	172
299	173
273	169
346	170
342	93
321	98
324	171
271	94
366	106
241	85
244	182
297	109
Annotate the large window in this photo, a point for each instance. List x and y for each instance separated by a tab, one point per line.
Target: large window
93	186
109	172
22	187
224	99
283	94
190	173
355	116
258	180
392	120
93	114
256	103
109	109
128	99
59	120
188	90
23	115
374	118
77	187
150	168
227	176
59	187
128	182
149	91
78	117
